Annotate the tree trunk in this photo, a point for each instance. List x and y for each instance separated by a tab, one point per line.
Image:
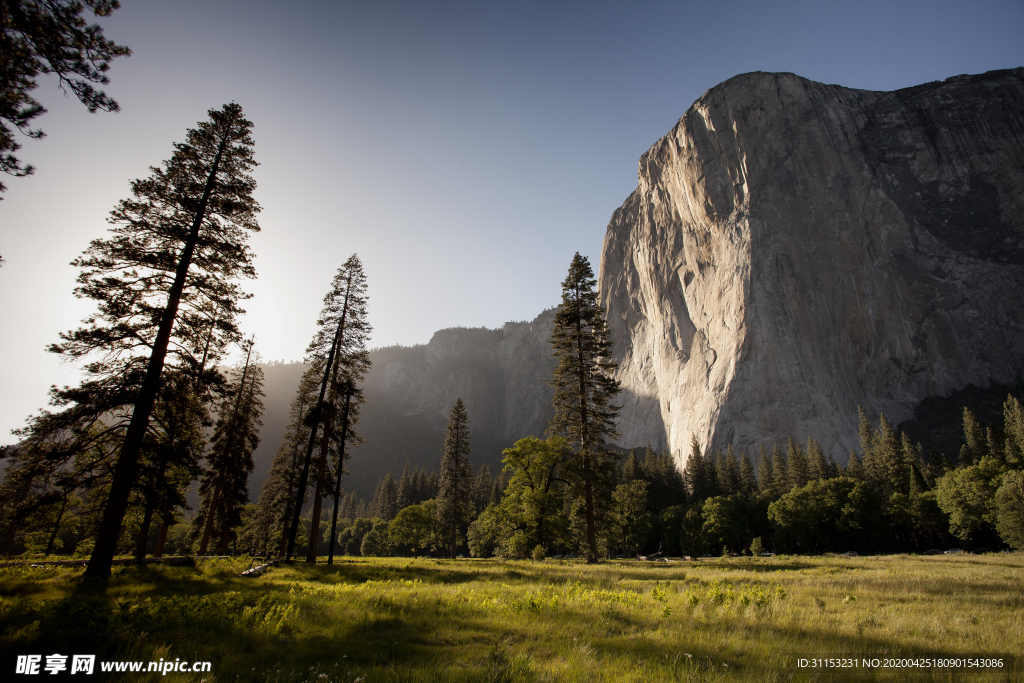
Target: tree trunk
56	527
341	468
225	535
161	538
128	463
9	541
140	544
314	523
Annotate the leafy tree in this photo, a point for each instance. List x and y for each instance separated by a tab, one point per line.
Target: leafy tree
1009	504
534	498
966	495
230	461
377	541
49	37
824	515
725	522
584	388
417	528
453	496
164	286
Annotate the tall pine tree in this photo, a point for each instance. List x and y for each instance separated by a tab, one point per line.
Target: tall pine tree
453	496
584	388
176	249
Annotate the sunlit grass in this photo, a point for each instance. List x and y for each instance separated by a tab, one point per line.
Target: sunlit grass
400	619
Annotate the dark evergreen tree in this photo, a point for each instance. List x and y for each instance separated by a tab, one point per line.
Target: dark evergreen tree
631	468
695	474
338	351
385	499
584	389
453	496
854	468
278	493
764	472
977	443
49	37
177	246
236	436
482	488
780	473
817	465
406	493
748	480
799	473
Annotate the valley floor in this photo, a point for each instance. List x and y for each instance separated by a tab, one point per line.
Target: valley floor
403	619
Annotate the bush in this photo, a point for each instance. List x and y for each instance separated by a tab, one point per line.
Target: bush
539	554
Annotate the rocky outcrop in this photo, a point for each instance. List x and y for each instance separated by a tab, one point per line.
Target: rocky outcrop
794	250
500	374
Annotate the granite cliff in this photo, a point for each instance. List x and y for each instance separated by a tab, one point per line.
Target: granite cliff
795	249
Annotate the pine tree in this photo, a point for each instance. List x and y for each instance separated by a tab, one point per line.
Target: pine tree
482	488
338	350
454	486
1013	424
764	472
780	473
229	463
977	444
799	473
405	488
695	473
277	494
748	480
855	468
177	246
49	37
818	467
584	387
891	474
631	468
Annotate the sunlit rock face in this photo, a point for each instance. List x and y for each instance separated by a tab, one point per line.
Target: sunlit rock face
794	250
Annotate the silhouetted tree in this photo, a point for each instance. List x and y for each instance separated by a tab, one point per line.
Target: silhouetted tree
175	250
237	434
49	37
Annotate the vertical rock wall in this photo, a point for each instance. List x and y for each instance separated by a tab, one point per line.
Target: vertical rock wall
794	250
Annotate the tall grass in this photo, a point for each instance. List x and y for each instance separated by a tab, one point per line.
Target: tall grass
396	619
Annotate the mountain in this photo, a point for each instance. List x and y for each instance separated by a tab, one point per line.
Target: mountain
795	249
500	374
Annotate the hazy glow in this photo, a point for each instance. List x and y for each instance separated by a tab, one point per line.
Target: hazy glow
463	150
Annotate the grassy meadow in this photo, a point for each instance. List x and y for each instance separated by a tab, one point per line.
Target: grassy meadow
402	619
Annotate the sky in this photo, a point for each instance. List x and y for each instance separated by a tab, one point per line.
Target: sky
465	150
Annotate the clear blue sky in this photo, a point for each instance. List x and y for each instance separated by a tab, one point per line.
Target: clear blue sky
464	150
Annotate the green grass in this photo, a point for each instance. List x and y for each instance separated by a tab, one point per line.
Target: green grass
400	619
